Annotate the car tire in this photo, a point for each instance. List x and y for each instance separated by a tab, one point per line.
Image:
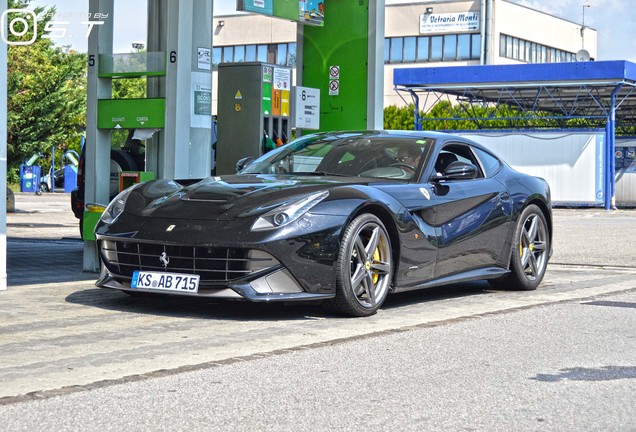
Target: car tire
530	252
119	161
364	269
44	187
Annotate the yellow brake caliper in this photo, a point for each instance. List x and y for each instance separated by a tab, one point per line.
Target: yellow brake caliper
530	248
376	258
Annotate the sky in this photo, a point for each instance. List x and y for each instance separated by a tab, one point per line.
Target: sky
615	21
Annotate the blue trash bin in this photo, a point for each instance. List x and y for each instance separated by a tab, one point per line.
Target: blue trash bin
70	178
30	178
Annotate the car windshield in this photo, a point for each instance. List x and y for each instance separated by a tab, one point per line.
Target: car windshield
347	154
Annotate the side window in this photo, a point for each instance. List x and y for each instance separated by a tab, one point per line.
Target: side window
489	163
456	152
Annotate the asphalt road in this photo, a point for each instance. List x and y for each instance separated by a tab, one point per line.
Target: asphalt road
73	357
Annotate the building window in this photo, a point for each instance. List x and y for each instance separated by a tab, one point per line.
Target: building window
463	47
544	54
291	55
475	42
250	53
531	52
409	50
283	54
509	47
217	56
239	53
261	53
422	48
395	55
436	48
450	47
228	54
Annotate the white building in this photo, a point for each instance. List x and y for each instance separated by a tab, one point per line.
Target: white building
452	33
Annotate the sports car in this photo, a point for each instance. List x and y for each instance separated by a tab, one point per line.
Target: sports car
341	218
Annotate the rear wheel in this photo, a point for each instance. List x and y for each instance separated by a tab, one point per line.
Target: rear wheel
530	252
364	268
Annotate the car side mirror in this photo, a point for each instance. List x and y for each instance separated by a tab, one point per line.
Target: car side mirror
458	171
243	162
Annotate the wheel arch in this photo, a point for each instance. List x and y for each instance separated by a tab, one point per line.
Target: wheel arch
388	221
545	209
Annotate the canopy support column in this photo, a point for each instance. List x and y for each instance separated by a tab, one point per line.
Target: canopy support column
416	111
610	198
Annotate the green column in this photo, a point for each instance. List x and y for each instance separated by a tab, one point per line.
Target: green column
341	59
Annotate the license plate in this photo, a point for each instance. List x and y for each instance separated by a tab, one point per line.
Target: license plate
175	282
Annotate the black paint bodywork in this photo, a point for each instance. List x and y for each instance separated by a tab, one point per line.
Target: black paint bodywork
441	231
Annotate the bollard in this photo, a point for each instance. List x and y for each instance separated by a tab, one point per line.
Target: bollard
10	201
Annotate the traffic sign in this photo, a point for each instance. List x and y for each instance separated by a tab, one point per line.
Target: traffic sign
334	87
334	72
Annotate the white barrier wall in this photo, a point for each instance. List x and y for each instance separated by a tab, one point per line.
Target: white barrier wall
571	162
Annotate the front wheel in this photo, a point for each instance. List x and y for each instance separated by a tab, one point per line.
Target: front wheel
364	268
530	252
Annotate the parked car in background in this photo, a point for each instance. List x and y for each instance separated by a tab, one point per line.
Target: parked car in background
344	218
131	157
58	177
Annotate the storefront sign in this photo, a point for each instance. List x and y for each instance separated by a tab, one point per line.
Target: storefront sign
449	22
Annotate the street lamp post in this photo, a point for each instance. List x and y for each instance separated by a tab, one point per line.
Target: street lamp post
585	5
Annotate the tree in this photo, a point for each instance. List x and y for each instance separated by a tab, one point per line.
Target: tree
402	118
46	95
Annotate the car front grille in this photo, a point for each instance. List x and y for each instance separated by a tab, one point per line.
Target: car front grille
214	265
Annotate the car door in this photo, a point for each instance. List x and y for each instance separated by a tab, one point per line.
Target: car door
472	216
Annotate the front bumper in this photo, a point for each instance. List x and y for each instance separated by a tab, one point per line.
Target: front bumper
274	282
296	264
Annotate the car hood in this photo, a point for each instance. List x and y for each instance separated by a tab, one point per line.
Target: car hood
228	197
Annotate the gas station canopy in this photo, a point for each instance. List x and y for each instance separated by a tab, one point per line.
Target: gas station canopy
589	89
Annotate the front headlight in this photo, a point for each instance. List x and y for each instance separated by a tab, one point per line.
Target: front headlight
116	207
288	212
